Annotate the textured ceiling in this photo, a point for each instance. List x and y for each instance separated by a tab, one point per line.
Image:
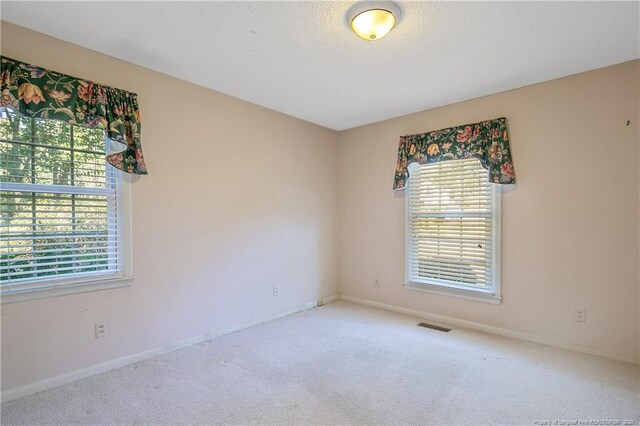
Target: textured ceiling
301	59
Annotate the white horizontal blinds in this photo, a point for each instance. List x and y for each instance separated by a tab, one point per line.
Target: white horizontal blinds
450	224
58	202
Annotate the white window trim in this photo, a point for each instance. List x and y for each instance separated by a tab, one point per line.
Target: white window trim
46	288
441	288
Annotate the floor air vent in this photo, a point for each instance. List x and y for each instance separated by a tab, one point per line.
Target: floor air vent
434	327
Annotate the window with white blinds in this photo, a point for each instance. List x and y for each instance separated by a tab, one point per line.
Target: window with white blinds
60	203
453	227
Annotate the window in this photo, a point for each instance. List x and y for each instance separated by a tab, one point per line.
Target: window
62	206
453	230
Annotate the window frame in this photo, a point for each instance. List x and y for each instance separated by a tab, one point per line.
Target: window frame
443	288
65	285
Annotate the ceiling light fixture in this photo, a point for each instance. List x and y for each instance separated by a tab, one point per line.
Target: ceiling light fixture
372	20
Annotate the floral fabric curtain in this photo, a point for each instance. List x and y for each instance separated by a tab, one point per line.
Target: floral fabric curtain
488	141
40	93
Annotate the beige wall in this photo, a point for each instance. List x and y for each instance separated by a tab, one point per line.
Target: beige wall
569	229
238	198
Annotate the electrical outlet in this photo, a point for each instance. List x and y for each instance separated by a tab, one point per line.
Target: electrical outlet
275	290
581	315
377	283
101	330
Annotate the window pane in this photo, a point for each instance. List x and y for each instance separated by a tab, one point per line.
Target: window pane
451	208
53	234
15	162
89	139
66	230
14	127
58	153
52	132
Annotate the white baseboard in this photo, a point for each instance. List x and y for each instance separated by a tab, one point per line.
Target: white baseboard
53	382
330	299
444	320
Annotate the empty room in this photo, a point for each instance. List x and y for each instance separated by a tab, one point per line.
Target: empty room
320	213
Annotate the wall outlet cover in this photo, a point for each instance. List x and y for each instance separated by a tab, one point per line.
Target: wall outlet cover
101	330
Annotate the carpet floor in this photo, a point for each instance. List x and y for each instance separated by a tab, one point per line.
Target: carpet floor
347	364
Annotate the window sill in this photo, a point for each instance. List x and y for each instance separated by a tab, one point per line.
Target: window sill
57	290
459	293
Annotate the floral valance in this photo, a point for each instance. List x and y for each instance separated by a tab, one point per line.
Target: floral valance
488	141
41	93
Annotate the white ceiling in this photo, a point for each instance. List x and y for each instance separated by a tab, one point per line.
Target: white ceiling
301	59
